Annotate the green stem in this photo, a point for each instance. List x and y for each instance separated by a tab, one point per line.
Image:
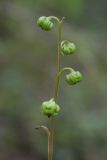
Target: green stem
63	70
58	63
58	75
55	18
55	94
50	139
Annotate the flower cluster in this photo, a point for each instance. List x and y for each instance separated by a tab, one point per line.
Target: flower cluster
50	108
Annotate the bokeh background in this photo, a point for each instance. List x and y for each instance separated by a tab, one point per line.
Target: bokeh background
27	70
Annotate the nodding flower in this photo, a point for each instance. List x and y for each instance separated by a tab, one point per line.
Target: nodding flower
50	108
73	78
67	47
45	23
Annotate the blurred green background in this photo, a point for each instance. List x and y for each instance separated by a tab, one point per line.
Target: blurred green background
27	70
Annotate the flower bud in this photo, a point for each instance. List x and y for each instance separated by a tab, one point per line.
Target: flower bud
73	77
67	47
50	108
45	23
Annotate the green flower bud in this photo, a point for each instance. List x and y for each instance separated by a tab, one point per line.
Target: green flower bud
67	47
50	108
45	23
73	77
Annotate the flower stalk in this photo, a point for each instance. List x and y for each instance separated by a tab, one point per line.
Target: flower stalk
55	94
51	108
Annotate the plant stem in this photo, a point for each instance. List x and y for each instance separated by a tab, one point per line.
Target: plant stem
55	94
65	69
50	139
58	63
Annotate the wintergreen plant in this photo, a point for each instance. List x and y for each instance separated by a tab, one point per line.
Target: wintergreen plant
50	108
